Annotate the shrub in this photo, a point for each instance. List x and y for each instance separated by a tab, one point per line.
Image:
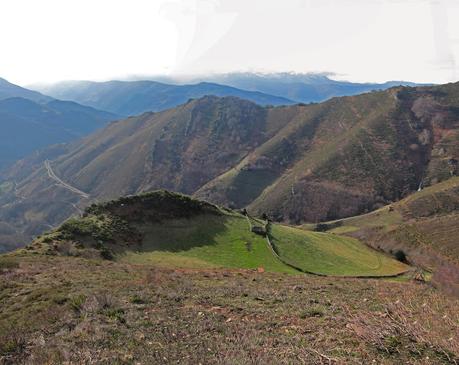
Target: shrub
116	314
7	264
322	227
106	254
47	239
12	344
315	311
400	256
60	299
137	300
77	302
82	226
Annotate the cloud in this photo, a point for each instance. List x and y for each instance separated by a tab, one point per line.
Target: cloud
445	58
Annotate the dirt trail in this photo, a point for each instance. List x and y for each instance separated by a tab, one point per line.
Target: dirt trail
53	176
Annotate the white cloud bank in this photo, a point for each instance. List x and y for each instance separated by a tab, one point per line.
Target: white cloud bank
361	40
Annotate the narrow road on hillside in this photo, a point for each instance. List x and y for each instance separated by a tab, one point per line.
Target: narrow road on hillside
53	176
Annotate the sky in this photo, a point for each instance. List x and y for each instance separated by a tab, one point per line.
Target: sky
357	40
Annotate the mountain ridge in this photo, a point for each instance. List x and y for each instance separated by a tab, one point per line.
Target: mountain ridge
8	90
305	88
136	97
297	163
28	126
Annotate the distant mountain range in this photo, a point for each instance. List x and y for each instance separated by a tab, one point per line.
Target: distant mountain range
296	163
30	121
9	90
305	88
136	97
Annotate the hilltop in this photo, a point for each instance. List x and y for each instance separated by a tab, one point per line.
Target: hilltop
172	230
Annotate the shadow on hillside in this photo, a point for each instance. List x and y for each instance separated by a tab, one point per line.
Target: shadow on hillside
186	233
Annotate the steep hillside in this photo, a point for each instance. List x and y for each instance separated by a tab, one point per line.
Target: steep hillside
136	97
180	149
426	219
9	90
297	163
424	226
348	156
26	126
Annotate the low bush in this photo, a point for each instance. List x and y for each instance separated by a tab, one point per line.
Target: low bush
7	264
12	344
400	256
323	227
77	302
137	300
315	311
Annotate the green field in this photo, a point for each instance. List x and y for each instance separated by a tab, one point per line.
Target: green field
168	230
205	242
226	242
330	254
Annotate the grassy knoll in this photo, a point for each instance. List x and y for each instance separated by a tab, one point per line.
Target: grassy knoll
173	231
330	254
205	242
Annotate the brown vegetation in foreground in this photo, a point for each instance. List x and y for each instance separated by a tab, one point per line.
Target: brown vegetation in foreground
70	310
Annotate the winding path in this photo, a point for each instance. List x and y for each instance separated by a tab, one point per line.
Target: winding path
53	176
273	250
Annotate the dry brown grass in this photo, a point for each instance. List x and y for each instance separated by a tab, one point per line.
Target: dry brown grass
76	310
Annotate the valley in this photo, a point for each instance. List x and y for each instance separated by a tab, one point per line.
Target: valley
297	164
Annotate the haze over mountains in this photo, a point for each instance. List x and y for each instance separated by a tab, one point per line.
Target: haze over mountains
136	97
30	121
305	88
297	163
9	90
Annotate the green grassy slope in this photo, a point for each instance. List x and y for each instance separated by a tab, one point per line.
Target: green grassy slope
175	231
205	242
330	254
